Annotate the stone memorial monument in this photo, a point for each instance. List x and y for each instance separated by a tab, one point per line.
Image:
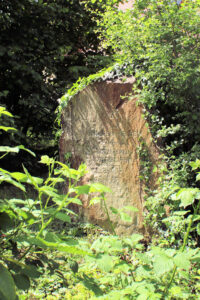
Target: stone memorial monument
103	127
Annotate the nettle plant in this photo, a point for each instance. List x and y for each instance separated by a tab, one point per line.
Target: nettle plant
164	271
25	224
108	266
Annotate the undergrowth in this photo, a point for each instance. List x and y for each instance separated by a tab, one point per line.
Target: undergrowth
41	260
160	39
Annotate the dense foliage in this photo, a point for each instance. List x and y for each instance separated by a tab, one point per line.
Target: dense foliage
45	252
44	47
103	266
162	40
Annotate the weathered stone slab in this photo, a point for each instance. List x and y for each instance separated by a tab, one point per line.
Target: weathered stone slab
103	128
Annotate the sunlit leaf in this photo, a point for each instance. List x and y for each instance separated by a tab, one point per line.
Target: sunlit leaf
187	196
98	187
162	264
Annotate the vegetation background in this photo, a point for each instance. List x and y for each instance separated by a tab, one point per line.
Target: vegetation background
45	46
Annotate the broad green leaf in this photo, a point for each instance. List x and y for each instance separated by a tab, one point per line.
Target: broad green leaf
105	262
176	291
17	201
181	261
130	208
3	111
56	179
74	200
29	217
114	210
38	180
196	218
82	189
63	247
198	229
181	213
52	237
195	164
31	271
19	176
123	267
95	200
45	159
125	217
49	191
9	149
22	177
187	196
7	178
136	237
7	285
6	128
144	258
162	264
22	281
198	176
98	187
63	217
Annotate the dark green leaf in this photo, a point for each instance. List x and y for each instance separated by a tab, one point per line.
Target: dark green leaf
7	285
22	281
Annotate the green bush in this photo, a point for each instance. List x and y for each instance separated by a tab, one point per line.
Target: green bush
45	46
162	40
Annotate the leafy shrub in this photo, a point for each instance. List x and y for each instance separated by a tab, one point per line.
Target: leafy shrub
161	39
45	46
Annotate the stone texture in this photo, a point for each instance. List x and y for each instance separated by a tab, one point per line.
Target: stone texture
126	5
102	127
